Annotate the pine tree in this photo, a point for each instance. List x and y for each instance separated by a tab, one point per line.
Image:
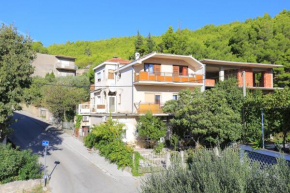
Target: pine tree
151	44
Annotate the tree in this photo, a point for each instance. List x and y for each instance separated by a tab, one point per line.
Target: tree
169	41
151	126
39	48
277	107
212	117
16	53
62	97
140	47
151	45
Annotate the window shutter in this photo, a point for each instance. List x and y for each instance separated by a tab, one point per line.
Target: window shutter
157	69
175	70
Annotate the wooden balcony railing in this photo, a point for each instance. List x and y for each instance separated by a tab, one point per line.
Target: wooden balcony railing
151	107
168	77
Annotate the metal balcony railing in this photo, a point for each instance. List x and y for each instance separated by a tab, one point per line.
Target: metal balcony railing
168	77
91	108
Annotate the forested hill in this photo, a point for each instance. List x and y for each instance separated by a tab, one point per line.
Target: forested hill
263	39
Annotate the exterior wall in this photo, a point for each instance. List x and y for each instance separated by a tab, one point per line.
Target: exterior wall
268	78
125	93
104	75
249	77
130	127
45	63
166	65
38	112
165	93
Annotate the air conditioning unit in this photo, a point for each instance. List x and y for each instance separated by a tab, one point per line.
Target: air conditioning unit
85	118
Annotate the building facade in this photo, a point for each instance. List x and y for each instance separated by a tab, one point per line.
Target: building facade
126	90
59	65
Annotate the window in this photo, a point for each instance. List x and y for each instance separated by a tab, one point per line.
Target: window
110	74
174	97
180	70
104	75
148	68
157	99
99	77
183	70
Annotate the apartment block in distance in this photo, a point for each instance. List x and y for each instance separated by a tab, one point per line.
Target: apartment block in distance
59	65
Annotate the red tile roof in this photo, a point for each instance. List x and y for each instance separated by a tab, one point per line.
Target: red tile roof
120	60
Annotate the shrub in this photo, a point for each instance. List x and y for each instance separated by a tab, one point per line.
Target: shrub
159	148
107	138
151	126
90	140
224	173
18	165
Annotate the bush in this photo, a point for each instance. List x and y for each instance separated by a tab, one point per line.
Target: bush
224	173
107	138
152	127
18	165
158	148
90	140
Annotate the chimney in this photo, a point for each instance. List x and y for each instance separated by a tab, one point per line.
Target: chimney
137	56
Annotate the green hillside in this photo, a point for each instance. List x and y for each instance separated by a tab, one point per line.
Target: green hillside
263	39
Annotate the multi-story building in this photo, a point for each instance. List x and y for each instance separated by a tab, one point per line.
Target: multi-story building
59	65
257	76
125	90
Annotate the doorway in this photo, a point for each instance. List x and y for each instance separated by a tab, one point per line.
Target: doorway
112	104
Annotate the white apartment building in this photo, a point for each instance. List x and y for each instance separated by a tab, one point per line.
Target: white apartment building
125	90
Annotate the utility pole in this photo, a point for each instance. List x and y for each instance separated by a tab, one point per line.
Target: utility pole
244	84
263	135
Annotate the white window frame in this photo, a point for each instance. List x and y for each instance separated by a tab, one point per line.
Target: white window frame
99	77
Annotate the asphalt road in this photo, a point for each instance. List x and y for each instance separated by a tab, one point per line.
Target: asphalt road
70	172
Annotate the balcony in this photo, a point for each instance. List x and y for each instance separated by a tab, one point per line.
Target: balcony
91	108
62	66
209	82
143	108
167	77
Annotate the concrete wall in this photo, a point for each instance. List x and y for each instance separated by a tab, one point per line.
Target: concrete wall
45	63
124	91
38	112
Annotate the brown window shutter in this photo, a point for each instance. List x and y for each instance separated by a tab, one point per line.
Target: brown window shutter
110	74
157	69
175	70
184	70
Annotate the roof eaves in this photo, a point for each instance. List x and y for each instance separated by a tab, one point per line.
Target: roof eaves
139	61
241	63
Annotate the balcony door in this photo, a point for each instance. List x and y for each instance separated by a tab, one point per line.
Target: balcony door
153	69
112	104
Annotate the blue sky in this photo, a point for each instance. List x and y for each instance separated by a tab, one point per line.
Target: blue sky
58	21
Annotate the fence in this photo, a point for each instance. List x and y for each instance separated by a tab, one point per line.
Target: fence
153	162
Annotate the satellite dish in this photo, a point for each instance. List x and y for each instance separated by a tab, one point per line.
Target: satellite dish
137	55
